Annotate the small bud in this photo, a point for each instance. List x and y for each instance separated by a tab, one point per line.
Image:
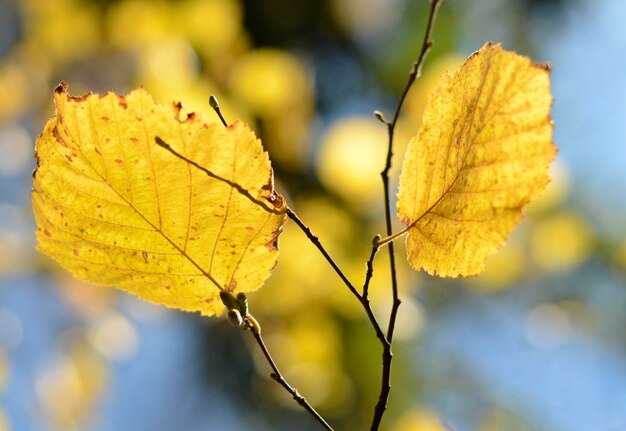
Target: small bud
235	319
254	325
242	300
213	102
229	300
380	116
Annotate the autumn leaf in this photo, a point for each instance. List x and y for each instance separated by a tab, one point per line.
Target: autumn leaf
481	154
116	208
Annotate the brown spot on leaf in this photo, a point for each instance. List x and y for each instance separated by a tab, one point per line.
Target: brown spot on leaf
134	139
232	285
97	151
272	245
119	161
46	233
249	228
145	256
58	137
75	252
104	118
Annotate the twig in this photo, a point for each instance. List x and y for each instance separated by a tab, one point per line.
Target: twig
363	299
315	240
370	265
381	406
278	377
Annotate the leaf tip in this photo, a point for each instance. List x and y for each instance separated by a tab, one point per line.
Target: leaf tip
61	88
543	66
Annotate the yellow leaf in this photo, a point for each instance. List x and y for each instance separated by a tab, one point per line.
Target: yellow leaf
482	153
116	208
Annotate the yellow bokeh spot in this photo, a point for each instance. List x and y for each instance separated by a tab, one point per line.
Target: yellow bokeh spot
70	388
503	269
271	82
561	241
15	90
64	32
209	24
350	158
136	22
172	60
419	420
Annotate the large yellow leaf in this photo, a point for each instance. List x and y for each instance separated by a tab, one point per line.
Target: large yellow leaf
115	208
482	153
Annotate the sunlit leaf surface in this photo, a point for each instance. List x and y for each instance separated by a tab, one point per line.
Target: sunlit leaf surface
482	153
115	208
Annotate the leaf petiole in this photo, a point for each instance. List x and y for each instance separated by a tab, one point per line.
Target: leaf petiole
386	240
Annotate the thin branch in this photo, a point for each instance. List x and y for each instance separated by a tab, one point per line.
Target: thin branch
363	299
315	240
381	406
370	265
278	377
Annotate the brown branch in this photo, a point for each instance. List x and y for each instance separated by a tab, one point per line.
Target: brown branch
381	406
363	299
369	272
278	377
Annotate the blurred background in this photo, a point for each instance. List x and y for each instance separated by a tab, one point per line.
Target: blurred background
538	342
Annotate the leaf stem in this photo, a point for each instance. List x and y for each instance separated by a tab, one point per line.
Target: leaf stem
381	406
276	375
386	240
